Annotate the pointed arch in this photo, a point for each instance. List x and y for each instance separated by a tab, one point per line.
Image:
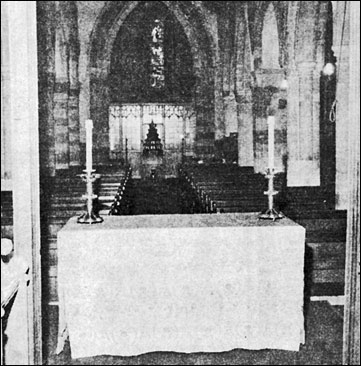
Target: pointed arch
201	42
270	40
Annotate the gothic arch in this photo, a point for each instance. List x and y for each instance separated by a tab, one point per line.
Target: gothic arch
257	22
270	40
201	41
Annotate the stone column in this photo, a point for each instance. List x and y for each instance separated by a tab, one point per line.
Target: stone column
205	118
244	66
303	126
73	126
73	112
46	28
61	107
219	128
61	93
73	102
99	100
303	140
87	15
227	41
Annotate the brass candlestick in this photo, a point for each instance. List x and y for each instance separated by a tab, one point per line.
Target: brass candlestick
89	217
271	213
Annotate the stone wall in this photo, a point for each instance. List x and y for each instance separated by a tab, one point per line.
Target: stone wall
58	55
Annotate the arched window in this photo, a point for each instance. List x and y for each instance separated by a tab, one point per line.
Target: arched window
270	41
157	60
151	58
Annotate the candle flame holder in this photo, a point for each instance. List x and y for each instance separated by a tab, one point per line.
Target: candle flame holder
271	213
89	217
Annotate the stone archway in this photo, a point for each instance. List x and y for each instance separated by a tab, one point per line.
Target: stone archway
202	47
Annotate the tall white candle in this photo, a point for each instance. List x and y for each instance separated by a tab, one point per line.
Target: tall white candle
89	144
271	142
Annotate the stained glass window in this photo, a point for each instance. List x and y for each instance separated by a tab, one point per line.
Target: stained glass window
157	60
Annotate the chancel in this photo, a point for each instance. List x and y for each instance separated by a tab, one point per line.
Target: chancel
180	182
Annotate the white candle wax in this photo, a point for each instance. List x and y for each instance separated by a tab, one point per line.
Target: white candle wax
89	144
271	141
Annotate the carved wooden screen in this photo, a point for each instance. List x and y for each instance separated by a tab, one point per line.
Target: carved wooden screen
129	124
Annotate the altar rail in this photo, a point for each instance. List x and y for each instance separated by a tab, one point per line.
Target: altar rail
122	201
201	201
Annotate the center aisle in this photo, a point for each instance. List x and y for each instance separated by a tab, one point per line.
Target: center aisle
160	196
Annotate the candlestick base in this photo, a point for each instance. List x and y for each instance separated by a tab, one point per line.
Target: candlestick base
91	218
271	214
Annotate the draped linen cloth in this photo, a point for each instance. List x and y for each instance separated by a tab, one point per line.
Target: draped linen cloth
182	283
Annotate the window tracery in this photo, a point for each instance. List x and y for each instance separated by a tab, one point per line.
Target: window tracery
157	59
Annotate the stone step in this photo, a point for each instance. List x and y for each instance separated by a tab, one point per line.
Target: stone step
241	197
66	199
108	191
326	225
324	250
67	205
238	209
238	203
106	185
64	192
63	217
106	198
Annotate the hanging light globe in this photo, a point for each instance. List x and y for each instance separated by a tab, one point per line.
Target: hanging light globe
329	69
284	84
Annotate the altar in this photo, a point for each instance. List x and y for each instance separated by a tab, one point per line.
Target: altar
182	283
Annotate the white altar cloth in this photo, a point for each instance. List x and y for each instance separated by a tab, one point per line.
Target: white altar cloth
182	283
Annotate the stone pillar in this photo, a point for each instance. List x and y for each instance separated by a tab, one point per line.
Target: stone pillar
219	128
205	118
87	15
305	65
61	122
303	126
245	129
66	97
73	102
73	125
244	67
46	28
61	92
227	41
99	100
73	111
